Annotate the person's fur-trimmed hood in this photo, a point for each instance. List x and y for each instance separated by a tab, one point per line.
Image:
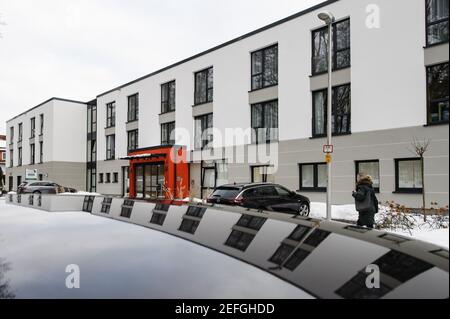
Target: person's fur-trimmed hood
366	180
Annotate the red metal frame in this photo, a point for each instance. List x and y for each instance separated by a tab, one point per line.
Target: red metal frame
176	169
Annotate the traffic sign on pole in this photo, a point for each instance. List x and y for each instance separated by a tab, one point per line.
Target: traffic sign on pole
328	149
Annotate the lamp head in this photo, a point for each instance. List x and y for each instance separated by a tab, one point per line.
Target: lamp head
326	17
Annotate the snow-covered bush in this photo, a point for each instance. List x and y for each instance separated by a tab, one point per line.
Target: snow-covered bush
398	217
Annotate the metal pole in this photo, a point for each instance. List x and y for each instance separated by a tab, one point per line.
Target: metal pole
329	114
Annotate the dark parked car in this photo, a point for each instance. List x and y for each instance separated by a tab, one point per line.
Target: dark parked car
264	196
43	187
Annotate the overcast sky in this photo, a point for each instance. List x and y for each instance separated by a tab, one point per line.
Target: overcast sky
77	49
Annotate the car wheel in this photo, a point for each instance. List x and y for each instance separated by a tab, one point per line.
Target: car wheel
37	192
303	210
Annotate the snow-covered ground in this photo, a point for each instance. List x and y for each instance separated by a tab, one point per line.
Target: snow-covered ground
421	231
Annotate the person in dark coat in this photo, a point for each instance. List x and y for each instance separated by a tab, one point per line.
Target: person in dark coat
366	201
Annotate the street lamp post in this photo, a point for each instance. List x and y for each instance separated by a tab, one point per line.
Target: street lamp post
328	18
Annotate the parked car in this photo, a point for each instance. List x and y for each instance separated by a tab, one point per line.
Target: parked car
262	196
43	187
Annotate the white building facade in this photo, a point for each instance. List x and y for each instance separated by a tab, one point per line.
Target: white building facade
51	139
390	79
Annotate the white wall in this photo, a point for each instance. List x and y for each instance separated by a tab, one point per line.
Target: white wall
69	132
64	133
388	77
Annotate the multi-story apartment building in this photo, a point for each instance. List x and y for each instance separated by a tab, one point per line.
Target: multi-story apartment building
2	161
269	87
51	139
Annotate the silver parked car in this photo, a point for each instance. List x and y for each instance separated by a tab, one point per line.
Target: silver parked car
43	187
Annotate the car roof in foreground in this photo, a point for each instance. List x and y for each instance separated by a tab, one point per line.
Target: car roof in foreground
183	252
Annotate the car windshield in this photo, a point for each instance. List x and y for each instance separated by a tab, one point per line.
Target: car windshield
226	192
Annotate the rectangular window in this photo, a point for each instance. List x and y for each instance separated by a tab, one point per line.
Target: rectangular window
110	147
100	178
265	67
371	168
168	97
313	177
32	154
203	131
408	175
133	107
11	158
341	117
111	114
204	86
262	174
20	132
20	157
133	140
88	203
41	152
11	135
106	205
167	129
41	121
437	21
265	122
115	178
108	178
437	80
33	127
341	47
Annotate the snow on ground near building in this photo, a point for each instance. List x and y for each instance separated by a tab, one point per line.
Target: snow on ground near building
422	231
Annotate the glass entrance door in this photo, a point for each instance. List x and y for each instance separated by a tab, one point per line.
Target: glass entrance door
150	181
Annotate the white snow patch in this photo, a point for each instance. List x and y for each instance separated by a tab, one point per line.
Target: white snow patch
339	212
79	194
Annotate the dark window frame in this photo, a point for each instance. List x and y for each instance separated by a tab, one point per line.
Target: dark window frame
205	120
199	100
263	68
429	24
20	133
133	109
315	188
115	178
132	145
32	154
110	149
166	106
431	102
19	156
111	114
264	176
402	190
357	170
335	50
33	127
41	123
349	114
101	178
166	138
255	139
108	178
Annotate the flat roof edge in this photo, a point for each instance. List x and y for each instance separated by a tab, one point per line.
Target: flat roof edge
45	102
220	46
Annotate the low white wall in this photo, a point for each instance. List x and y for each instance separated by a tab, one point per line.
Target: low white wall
49	203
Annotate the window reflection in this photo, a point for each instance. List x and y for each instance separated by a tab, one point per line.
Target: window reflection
244	232
396	268
192	219
298	246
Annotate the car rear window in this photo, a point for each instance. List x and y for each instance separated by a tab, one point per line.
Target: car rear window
226	192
